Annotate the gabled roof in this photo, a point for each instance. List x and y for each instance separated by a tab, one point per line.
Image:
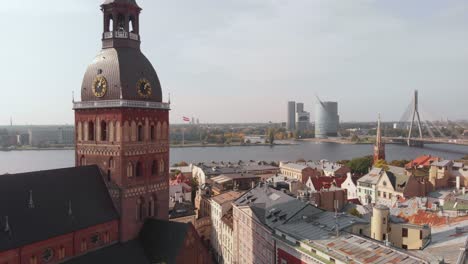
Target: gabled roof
326	182
372	177
53	191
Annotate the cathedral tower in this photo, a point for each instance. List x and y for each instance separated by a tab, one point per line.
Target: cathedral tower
122	124
379	148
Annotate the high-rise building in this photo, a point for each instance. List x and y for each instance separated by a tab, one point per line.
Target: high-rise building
302	117
299	107
291	118
326	119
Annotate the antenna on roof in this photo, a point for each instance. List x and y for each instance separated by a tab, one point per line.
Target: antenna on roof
169	99
73	96
31	201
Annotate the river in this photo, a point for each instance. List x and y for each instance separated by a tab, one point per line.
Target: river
22	161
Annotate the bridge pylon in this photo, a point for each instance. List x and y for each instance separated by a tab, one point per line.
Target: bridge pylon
418	119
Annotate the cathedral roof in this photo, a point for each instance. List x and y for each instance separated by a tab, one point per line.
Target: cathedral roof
107	2
122	68
120	253
44	204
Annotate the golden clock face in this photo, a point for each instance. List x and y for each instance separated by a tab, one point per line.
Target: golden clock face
144	88
99	86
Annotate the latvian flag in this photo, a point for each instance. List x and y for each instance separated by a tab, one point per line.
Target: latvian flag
186	119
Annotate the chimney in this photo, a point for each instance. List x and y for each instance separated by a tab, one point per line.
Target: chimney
70	211
31	201
253	184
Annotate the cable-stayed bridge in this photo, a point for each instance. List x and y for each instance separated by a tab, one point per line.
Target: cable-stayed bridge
422	130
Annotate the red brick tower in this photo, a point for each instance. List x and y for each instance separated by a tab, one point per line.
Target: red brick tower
122	124
379	148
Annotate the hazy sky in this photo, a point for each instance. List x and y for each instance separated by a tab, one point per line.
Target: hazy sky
242	60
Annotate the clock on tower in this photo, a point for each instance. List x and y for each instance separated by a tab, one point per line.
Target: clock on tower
122	123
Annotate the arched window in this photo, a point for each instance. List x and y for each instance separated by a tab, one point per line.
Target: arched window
84	245
141	134
130	170
139	169
132	24
110	23
134	131
106	237
120	22
151	207
161	167
111	133
140	212
127	131
61	252
91	131
103	131
79	131
152	133
82	161
33	260
154	168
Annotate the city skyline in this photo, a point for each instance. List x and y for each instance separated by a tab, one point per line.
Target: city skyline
369	55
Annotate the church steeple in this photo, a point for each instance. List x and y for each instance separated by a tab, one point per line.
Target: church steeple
379	148
121	24
122	123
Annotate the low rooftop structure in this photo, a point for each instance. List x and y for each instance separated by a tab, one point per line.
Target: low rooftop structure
312	231
182	209
226	197
238	181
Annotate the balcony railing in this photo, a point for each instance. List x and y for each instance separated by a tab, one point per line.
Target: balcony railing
119	104
121	35
134	36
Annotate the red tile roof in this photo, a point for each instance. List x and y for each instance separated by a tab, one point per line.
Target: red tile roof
424	161
355	201
320	182
180	179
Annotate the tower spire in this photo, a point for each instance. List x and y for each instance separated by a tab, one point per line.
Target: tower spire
379	148
379	133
